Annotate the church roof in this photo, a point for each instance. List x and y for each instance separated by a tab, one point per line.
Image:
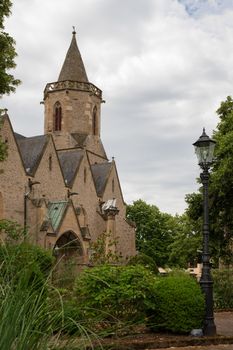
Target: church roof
70	161
73	67
79	138
31	149
100	174
19	136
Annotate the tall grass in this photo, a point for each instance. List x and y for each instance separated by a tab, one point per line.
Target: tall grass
30	319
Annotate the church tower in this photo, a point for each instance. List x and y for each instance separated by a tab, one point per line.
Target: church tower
73	106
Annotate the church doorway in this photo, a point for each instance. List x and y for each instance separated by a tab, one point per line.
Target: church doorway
69	255
68	245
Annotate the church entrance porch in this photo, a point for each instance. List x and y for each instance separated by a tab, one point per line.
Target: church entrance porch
69	257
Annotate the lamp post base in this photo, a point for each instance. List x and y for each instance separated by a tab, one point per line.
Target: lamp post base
209	328
206	283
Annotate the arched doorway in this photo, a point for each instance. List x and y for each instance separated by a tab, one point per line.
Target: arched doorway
69	259
68	244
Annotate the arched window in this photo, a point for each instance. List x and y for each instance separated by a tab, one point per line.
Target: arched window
57	116
94	120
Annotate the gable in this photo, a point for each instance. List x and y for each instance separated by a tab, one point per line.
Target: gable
49	174
113	188
69	222
13	155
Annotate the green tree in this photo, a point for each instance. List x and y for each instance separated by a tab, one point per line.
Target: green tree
186	244
154	230
7	62
220	189
7	53
221	186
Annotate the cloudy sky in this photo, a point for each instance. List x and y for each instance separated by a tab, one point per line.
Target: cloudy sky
164	67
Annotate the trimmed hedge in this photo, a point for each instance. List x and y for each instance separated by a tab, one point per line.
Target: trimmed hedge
178	305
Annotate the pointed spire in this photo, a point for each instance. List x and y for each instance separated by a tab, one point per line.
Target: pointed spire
73	67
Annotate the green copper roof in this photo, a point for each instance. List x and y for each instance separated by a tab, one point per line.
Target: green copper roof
55	213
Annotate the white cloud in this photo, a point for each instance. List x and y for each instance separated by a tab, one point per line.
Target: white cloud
163	69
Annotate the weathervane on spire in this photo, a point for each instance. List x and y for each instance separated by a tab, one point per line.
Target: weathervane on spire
74	32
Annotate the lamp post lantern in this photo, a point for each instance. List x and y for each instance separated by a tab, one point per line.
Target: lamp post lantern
204	149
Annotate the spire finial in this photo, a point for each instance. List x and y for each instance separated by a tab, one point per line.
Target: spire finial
74	32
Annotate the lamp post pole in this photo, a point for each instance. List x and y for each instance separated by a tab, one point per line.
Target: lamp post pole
204	148
206	281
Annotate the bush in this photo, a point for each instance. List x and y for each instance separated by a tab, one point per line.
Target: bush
114	292
25	262
144	260
178	305
223	288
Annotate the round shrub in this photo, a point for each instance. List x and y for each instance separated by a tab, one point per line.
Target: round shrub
178	305
144	260
114	292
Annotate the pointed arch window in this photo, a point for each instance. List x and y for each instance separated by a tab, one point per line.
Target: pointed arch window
94	120
57	116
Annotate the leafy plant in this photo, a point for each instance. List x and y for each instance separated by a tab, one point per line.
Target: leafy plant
144	260
114	293
223	289
103	250
18	258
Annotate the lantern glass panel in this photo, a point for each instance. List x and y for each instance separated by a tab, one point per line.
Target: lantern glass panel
205	152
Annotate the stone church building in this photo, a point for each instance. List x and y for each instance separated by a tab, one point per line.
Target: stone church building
61	185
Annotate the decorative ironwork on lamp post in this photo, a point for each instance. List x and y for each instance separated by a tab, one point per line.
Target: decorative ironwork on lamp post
204	149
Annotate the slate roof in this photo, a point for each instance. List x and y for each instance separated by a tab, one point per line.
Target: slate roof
73	67
55	213
100	174
31	149
19	136
70	161
80	139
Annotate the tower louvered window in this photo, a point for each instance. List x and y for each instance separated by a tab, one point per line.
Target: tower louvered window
57	116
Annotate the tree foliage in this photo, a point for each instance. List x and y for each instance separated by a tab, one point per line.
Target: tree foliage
186	245
7	53
220	189
221	186
154	230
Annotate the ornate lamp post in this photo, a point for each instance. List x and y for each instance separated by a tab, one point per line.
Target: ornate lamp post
204	149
